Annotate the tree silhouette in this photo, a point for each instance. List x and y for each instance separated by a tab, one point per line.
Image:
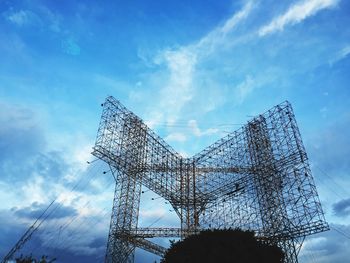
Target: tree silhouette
224	246
30	259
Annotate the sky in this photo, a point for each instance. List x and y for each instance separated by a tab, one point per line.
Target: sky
193	71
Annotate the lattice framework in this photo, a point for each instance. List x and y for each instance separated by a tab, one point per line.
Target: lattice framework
255	178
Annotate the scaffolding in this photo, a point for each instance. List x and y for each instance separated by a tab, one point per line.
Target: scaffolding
255	178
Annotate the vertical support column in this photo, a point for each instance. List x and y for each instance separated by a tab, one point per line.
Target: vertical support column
189	216
124	218
269	187
127	192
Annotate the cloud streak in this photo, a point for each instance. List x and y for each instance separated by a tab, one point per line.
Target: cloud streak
181	65
342	54
342	208
245	88
198	132
176	137
216	37
36	209
330	246
22	18
296	14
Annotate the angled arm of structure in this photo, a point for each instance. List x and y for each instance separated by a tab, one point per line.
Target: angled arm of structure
126	143
223	167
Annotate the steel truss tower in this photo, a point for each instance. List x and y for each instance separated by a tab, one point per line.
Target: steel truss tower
256	178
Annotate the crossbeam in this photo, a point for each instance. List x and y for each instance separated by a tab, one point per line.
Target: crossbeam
148	246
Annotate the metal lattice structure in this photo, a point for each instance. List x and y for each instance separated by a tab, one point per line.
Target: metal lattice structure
256	178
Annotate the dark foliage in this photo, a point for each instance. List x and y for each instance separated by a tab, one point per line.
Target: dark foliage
224	246
30	259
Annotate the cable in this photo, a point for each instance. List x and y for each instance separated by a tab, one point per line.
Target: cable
156	198
106	187
341	232
28	234
65	225
72	233
311	255
186	123
156	221
90	162
143	192
326	185
339	186
75	186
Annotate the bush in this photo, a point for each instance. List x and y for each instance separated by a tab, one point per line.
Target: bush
224	246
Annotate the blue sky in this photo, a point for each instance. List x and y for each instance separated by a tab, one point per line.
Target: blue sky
192	70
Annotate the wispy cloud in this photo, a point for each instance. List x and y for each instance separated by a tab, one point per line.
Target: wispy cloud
329	147
341	54
176	137
236	18
216	37
245	88
342	208
35	209
154	213
344	52
40	16
182	63
22	17
329	246
70	47
295	14
198	132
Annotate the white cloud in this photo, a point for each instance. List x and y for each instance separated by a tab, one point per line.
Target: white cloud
178	92
245	88
308	247
198	132
236	18
155	118
34	191
217	36
329	246
184	154
20	18
344	52
324	111
341	54
42	17
176	137
7	193
295	14
178	88
151	214
181	64
193	125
